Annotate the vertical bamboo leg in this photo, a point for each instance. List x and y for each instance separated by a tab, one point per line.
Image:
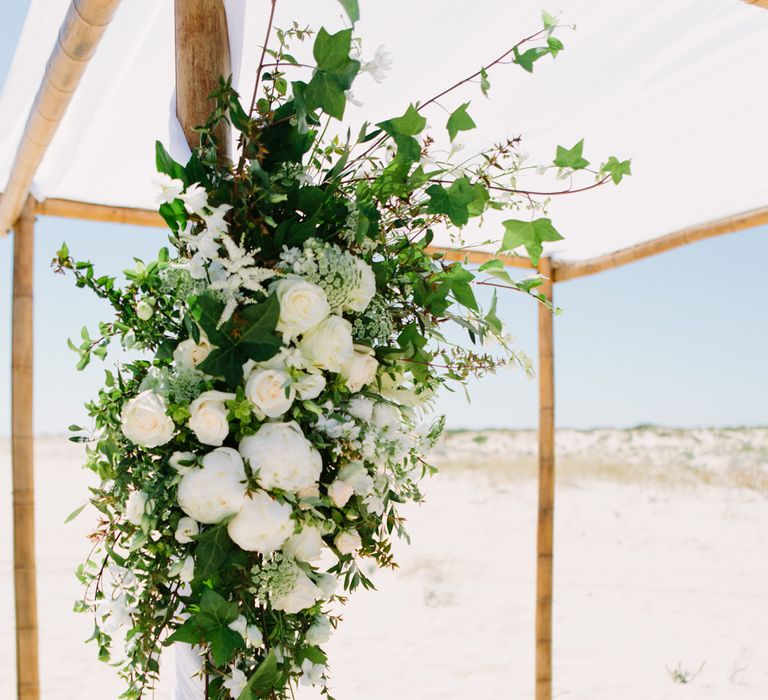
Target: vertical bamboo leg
27	673
545	528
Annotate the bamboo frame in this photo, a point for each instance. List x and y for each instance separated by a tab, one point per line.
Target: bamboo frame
25	591
546	505
758	3
78	38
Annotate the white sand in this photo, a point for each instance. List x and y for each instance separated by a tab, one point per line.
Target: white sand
650	573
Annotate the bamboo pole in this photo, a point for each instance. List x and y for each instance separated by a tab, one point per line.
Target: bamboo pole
739	222
546	509
69	209
78	39
202	57
759	3
25	591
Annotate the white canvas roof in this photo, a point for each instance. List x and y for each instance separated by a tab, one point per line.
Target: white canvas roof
680	87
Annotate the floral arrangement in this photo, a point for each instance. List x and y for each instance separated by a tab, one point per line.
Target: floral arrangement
288	352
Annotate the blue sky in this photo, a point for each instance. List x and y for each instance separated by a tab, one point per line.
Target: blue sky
679	339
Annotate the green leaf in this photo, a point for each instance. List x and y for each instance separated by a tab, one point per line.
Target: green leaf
166	164
215	610
214	549
550	22
325	92
75	513
491	318
410	124
460	121
224	642
189	632
555	46
263	679
530	234
454	202
352	9
616	168
331	51
526	59
485	84
571	157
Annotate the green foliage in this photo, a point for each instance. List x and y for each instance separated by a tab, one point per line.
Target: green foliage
459	121
571	157
616	169
351	7
529	234
263	679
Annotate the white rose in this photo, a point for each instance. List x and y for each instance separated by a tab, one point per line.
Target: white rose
284	458
328	584
144	420
328	345
361	408
182	462
360	369
195	199
216	490
386	416
310	386
320	631
208	417
348	542
186	530
340	492
359	299
136	507
144	310
302	306
262	525
271	391
190	354
303	595
357	476
307	545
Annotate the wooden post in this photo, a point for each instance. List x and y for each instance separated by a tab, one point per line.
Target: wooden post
23	447
202	57
546	512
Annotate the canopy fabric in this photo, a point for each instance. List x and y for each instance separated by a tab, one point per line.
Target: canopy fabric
677	86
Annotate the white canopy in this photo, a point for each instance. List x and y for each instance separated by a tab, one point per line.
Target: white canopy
680	87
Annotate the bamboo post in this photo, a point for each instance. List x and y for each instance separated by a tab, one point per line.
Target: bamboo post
202	57
546	510
25	591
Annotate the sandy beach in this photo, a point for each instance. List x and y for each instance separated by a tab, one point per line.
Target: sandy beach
661	574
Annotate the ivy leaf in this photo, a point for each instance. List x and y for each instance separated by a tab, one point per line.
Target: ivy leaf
263	679
616	168
213	550
555	45
352	9
453	202
410	124
331	51
550	22
526	59
491	318
189	632
460	121
530	234
485	84
325	92
571	158
335	73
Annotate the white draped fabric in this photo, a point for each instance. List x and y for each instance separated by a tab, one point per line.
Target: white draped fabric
189	686
677	86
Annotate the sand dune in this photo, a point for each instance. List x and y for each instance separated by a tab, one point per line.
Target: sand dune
661	564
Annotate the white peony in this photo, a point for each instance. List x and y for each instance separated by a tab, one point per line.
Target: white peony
386	416
190	354
361	408
271	391
320	631
186	530
303	305
360	297
360	369
303	595
306	546
136	507
195	199
216	490
208	417
310	386
340	492
356	475
144	420
329	345
283	457
348	542
262	525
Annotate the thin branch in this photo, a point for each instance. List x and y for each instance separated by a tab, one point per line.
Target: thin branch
263	56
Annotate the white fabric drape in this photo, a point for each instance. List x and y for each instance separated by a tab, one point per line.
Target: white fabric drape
188	686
